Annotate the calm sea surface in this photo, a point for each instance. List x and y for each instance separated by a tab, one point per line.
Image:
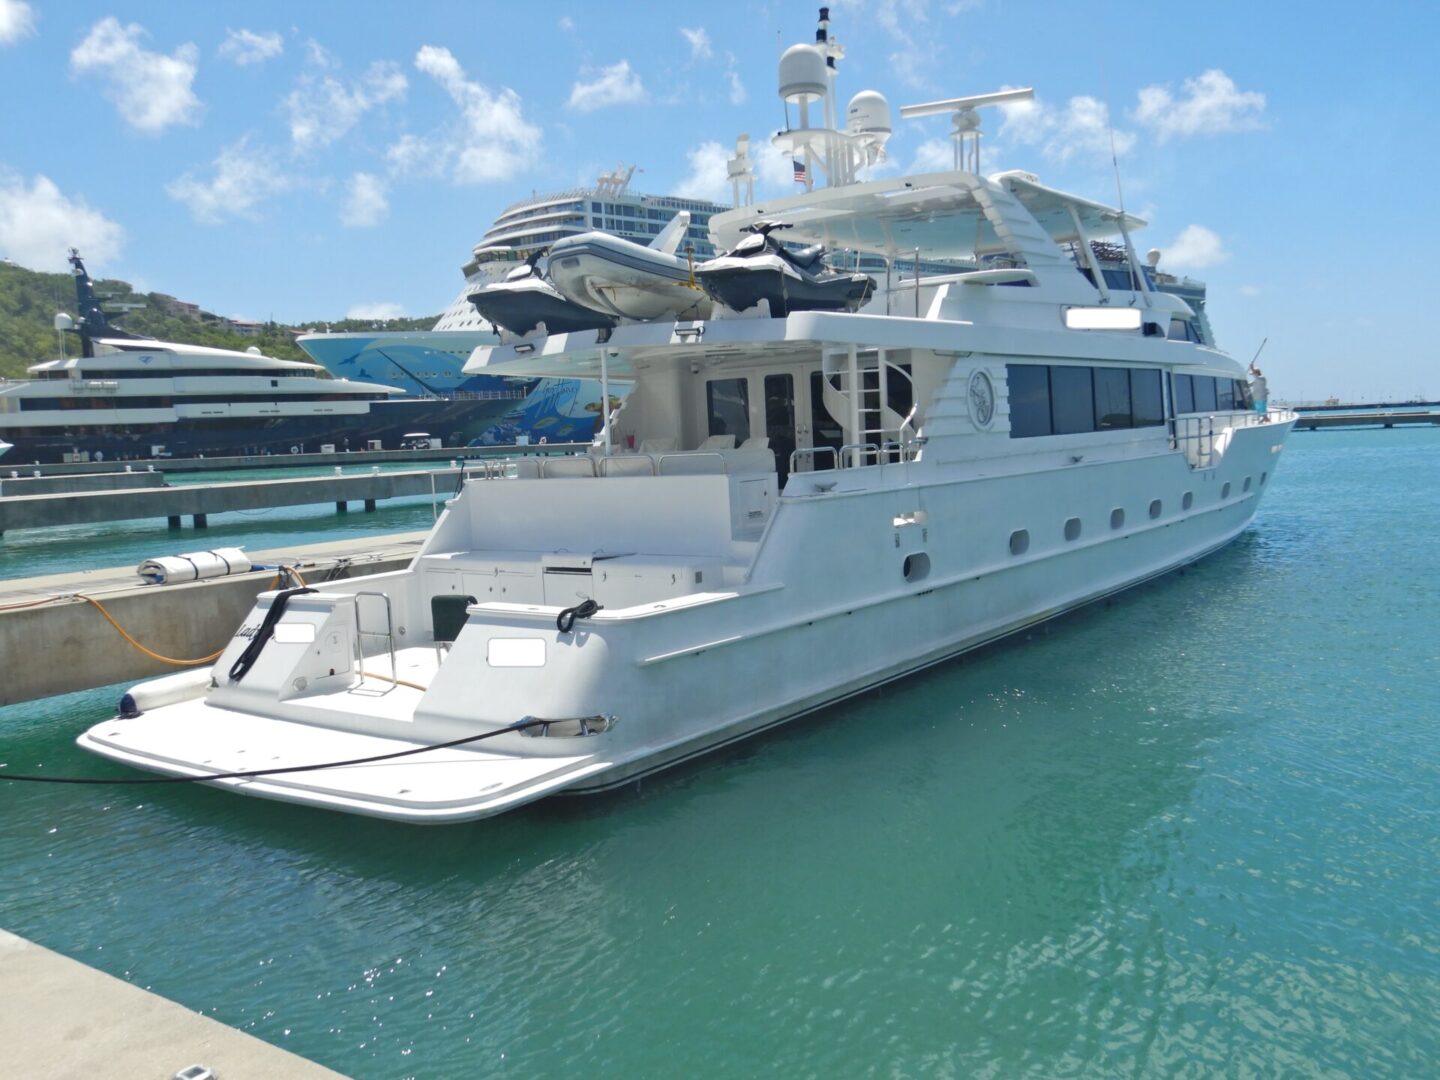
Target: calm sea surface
1191	832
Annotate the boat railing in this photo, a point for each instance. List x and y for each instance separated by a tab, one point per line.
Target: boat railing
1201	437
810	454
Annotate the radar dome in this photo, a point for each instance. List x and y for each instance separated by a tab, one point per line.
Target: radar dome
803	74
1153	257
252	351
868	114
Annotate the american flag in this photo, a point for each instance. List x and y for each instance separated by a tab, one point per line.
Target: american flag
801	175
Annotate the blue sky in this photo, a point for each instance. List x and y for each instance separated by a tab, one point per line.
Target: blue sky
305	161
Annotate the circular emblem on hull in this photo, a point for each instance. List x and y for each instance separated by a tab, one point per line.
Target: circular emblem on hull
982	399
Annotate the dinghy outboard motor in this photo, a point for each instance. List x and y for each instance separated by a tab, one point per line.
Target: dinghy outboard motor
525	299
760	268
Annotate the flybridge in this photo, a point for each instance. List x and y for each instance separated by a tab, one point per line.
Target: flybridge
938	216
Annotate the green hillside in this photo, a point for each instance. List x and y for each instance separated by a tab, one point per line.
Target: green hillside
29	300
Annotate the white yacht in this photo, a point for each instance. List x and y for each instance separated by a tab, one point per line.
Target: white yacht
130	397
784	512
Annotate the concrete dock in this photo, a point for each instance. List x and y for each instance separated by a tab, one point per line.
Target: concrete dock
65	1021
43	618
198	501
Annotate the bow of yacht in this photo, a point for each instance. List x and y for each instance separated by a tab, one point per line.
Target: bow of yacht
784	512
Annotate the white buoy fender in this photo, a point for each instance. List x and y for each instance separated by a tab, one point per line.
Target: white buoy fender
166	690
193	566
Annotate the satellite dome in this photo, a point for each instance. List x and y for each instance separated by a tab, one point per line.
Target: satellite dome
803	74
253	351
1153	257
868	114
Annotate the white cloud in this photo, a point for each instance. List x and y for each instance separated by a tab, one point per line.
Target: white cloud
247	47
323	108
39	224
699	42
244	177
615	85
1210	105
934	155
17	19
707	177
1194	248
567	23
150	90
738	96
365	202
380	310
491	140
1250	290
1079	130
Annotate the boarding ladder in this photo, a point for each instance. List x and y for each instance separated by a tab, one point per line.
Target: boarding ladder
855	385
388	634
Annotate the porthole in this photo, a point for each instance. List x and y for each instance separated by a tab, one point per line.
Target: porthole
1156	506
1117	518
1187	500
1263	477
1225	490
916	566
1246	486
1072	529
1019	542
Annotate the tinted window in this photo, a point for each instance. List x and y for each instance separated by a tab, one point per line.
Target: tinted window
1029	386
728	403
1243	397
1204	393
1225	394
1184	394
1147	404
1179	330
1112	398
1072	400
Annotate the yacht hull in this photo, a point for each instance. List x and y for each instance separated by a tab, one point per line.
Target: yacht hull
844	621
457	421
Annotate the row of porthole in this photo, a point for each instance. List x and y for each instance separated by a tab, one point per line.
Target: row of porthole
1020	538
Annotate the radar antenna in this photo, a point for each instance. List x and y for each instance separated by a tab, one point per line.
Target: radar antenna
966	121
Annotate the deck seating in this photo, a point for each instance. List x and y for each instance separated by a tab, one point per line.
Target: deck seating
657	446
448	615
627	465
694	463
718	442
526	468
568	468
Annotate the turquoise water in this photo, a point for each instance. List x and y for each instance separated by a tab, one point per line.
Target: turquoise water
1191	832
28	552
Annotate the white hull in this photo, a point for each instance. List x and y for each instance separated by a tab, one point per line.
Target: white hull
843	622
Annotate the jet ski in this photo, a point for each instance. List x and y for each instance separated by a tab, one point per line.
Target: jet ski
524	300
629	280
759	268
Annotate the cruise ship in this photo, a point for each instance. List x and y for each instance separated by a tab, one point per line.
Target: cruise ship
801	498
128	398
